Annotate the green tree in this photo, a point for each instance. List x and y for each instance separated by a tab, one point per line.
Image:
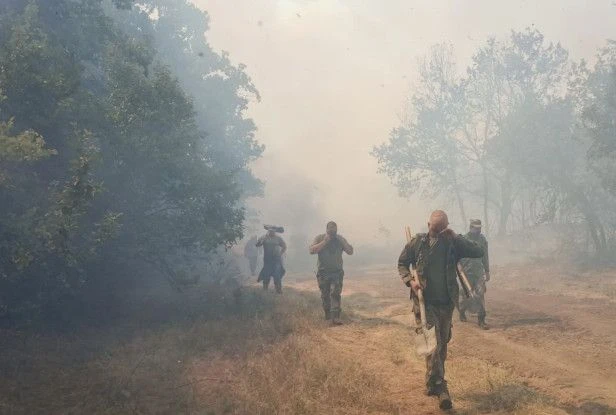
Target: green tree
595	92
450	142
125	175
423	154
220	92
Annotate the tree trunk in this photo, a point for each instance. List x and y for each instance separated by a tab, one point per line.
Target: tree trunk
460	203
593	221
506	204
486	226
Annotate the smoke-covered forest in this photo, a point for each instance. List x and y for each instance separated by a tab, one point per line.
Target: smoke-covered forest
151	185
524	132
124	145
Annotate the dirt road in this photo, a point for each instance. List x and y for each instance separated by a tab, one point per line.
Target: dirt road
548	350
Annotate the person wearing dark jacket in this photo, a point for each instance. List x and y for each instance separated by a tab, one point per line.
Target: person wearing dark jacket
434	256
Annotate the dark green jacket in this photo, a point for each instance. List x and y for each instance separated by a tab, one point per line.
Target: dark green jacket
416	253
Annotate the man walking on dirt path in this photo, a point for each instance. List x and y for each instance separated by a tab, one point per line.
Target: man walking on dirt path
273	249
329	247
251	252
434	256
478	273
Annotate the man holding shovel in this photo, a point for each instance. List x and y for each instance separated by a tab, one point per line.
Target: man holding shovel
434	257
478	272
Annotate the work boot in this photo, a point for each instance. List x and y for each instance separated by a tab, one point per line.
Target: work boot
265	285
337	322
278	287
482	324
462	316
444	400
327	315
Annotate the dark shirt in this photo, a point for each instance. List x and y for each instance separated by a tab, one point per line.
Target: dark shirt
433	267
435	273
272	247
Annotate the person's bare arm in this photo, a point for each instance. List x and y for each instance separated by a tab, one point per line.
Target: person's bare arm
260	241
319	244
346	247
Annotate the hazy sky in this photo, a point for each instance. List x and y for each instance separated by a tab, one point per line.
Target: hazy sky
334	76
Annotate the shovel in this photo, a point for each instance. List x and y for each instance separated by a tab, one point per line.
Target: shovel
468	289
425	338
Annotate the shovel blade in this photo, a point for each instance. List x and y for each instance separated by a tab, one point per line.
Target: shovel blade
425	341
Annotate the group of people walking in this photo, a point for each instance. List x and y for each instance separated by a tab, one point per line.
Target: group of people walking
428	262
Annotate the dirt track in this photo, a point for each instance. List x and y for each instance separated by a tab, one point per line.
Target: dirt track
563	346
559	348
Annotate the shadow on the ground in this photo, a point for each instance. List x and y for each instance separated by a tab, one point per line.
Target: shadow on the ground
591	408
506	398
517	398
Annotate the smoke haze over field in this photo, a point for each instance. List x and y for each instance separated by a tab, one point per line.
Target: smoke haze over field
334	76
144	144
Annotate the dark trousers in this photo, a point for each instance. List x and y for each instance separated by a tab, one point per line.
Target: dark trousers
476	304
272	268
439	317
252	262
330	286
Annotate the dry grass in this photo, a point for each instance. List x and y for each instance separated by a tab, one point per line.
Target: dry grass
135	367
485	388
265	356
556	278
203	353
304	375
300	373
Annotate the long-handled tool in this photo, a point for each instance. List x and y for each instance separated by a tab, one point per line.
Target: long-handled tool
425	338
466	285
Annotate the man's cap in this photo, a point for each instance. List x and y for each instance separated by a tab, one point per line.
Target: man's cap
476	223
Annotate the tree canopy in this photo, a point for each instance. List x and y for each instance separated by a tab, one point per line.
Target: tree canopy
107	161
525	135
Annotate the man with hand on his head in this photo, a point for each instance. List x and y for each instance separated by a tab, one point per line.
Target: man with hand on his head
434	256
329	247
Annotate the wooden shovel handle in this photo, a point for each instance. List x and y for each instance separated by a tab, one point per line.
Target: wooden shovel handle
422	304
422	308
464	280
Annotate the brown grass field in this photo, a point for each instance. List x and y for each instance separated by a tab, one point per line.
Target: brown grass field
551	350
